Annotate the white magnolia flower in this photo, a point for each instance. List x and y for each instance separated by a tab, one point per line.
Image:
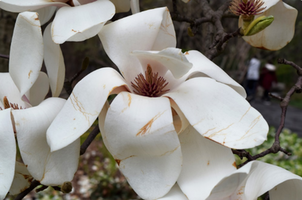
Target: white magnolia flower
74	20
280	32
162	94
28	125
247	183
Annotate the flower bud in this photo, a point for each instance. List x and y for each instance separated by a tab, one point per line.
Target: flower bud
66	187
258	25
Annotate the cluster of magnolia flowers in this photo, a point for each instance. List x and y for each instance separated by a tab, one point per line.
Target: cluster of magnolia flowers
171	126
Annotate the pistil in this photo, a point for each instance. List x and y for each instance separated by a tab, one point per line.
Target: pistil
150	85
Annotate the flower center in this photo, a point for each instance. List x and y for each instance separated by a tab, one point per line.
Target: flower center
7	104
247	8
150	85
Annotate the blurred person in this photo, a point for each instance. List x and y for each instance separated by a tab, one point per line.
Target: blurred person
252	78
267	78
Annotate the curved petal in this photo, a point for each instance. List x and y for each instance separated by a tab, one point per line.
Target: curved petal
271	176
28	5
174	194
204	164
168	59
46	13
81	22
219	113
50	168
7	152
121	37
54	63
269	3
256	178
26	54
39	90
121	5
9	89
280	32
83	106
203	67
140	135
22	179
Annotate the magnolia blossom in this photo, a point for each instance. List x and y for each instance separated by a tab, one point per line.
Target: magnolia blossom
74	20
280	32
164	97
247	183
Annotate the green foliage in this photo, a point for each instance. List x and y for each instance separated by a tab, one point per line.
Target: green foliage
289	141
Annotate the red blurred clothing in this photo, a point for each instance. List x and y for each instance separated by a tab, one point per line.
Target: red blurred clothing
267	78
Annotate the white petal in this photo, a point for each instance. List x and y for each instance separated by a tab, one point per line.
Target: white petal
50	168
22	179
204	164
28	5
218	112
46	13
168	59
134	4
256	178
54	63
7	152
203	67
174	194
120	38
83	106
81	22
140	135
9	89
269	3
264	177
280	32
121	5
26	55
39	90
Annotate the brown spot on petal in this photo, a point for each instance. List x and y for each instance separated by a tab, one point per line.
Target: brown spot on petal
146	128
129	99
186	53
208	162
118	161
36	18
234	164
29	73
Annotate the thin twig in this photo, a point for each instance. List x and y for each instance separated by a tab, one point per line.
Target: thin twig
32	186
4	56
283	104
89	139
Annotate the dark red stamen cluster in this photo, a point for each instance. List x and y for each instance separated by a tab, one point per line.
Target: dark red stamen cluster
149	85
247	8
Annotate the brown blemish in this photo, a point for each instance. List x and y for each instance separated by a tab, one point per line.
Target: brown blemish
254	122
169	152
208	163
77	105
73	118
74	31
118	161
147	126
213	134
129	99
36	18
186	53
234	164
245	113
29	73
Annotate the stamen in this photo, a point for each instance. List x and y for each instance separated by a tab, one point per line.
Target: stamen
247	8
7	104
151	85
